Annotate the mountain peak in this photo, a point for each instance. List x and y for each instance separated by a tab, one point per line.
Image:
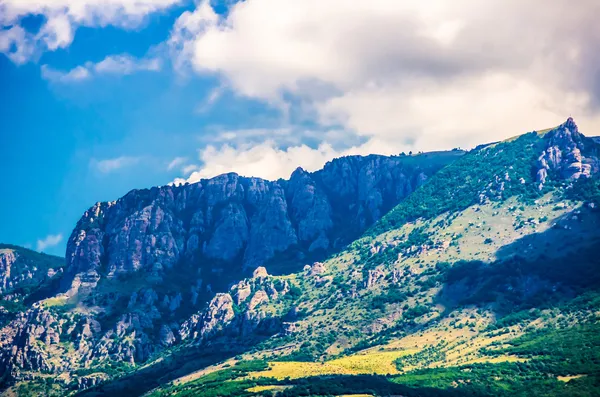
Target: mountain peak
570	124
566	153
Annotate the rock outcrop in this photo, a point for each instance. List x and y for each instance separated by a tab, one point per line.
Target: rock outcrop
215	318
568	154
7	259
31	342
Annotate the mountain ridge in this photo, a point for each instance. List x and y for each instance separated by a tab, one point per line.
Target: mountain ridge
472	256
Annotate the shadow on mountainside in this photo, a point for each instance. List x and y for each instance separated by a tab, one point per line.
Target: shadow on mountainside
537	270
185	360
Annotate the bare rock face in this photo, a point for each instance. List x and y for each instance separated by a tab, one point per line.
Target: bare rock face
373	277
7	259
85	382
242	291
564	154
260	272
317	268
310	209
258	298
167	338
31	342
216	317
235	223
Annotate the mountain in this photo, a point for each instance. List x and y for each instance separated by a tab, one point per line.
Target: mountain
143	264
236	223
442	274
25	276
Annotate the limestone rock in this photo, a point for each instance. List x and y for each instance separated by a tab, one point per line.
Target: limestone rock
235	222
563	154
216	317
373	277
260	272
317	268
258	298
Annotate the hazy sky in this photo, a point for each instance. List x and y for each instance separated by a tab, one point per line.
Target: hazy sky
102	96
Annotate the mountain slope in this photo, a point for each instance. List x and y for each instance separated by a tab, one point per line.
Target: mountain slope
456	291
460	287
140	266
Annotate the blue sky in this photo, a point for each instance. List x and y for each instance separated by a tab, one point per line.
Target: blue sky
101	97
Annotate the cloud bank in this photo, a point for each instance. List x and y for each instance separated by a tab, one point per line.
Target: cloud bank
425	74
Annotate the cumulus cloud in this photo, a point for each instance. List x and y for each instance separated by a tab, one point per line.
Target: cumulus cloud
51	240
63	17
432	74
122	64
109	165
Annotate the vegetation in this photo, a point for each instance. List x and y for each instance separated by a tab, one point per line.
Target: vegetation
459	185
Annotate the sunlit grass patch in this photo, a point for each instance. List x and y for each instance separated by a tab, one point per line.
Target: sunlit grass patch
365	363
55	302
569	377
356	395
272	388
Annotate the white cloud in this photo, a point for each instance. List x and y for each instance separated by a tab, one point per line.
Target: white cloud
122	64
187	27
57	32
126	64
51	240
76	74
267	160
16	44
431	74
188	169
210	100
176	162
63	17
109	165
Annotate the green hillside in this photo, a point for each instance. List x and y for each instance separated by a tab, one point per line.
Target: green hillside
496	293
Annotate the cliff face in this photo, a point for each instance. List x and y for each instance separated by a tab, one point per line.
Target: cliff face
238	223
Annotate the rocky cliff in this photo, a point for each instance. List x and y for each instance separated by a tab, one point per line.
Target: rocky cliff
141	273
236	223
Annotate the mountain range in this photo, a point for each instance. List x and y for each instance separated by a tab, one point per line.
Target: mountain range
433	274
